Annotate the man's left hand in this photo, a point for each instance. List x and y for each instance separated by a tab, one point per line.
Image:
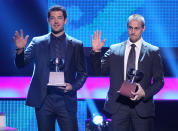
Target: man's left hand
68	88
139	94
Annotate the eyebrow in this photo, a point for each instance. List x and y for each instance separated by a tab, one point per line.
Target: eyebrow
57	16
134	27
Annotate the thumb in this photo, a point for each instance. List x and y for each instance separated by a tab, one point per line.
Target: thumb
26	37
103	42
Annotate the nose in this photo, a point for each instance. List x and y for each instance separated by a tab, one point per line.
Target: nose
55	21
133	31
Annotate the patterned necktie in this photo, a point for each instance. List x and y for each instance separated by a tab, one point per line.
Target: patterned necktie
131	60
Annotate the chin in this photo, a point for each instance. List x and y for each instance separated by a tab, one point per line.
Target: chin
56	30
133	40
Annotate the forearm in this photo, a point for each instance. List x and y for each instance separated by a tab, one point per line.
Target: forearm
79	81
19	60
96	62
153	89
158	76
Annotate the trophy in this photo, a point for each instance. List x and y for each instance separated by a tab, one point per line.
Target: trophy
134	76
56	76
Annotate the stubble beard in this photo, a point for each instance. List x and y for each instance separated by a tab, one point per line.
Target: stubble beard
57	31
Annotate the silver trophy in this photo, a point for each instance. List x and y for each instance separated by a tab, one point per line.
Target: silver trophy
56	78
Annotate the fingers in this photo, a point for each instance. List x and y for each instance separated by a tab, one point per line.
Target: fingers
68	84
16	36
134	98
92	37
21	32
138	85
134	93
68	87
26	38
97	36
99	33
103	42
63	88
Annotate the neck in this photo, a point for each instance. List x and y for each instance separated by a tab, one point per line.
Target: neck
57	34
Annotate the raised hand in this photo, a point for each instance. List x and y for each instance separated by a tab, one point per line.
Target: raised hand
19	40
96	42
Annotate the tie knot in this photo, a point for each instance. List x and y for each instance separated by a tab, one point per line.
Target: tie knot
133	45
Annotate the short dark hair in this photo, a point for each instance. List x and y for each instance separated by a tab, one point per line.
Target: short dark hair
57	8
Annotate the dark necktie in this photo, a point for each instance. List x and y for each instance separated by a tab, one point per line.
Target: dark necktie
131	60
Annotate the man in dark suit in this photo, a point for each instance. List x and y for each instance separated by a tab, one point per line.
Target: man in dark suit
136	112
53	102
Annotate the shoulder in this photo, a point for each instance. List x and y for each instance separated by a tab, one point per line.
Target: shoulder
73	40
40	39
150	47
117	46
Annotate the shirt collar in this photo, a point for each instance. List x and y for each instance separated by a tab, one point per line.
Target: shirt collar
59	37
138	43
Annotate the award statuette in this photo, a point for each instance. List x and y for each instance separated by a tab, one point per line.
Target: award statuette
130	85
57	78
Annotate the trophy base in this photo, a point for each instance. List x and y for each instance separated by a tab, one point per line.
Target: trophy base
56	79
126	89
57	84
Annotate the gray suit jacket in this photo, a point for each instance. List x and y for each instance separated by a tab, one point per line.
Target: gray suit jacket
74	70
149	63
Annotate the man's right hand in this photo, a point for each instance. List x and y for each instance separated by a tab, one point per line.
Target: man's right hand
20	41
96	42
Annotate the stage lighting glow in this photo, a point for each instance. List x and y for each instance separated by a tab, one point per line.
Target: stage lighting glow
97	119
94	88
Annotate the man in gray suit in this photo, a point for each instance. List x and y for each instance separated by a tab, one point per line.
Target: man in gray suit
53	102
136	112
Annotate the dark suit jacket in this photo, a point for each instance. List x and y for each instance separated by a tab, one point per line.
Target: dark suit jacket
74	70
149	63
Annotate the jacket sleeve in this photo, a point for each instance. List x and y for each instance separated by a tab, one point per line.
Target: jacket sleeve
158	76
100	65
81	71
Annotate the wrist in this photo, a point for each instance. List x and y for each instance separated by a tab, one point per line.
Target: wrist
97	50
19	50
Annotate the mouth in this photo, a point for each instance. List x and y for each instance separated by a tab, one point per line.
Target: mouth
56	26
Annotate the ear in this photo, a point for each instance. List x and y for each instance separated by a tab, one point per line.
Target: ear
65	21
48	21
143	29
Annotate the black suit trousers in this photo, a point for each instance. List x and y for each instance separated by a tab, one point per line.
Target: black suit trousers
127	119
54	109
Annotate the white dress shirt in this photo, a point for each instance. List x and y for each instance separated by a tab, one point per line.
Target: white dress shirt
137	51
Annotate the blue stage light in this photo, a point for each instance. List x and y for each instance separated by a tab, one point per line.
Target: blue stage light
97	119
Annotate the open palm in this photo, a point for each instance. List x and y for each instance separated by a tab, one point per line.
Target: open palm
96	42
19	40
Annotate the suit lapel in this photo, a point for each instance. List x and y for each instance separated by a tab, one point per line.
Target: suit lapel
68	50
48	45
122	53
142	54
